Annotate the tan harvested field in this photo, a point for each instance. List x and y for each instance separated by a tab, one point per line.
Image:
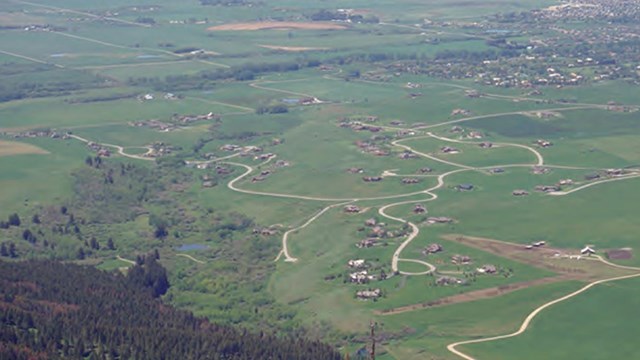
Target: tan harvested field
278	25
8	148
544	258
473	295
292	48
19	19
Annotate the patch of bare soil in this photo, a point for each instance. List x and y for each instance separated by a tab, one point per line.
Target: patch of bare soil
293	48
8	148
278	25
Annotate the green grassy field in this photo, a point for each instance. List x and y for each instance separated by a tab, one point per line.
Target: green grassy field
86	76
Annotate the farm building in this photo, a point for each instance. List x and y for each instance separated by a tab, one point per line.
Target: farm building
407	181
366	243
369	294
587	250
458	259
432	249
487	269
351	209
449	150
419	209
465	187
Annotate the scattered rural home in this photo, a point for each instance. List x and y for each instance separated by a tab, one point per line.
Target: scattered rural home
439	220
449	150
487	269
221	170
419	209
458	259
355	170
251	148
265	231
230	147
368	294
405	132
520	192
456	112
587	250
472	93
104	152
154	124
545	114
366	243
564	182
614	172
266	156
539	243
378	231
282	163
407	154
496	170
475	135
432	249
170	96
543	143
486	145
396	123
592	176
411	85
256	179
414	95
539	170
547	188
372	178
448	280
424	170
353	209
208	184
356	263
410	181
361	277
464	187
203	166
456	129
146	97
370	222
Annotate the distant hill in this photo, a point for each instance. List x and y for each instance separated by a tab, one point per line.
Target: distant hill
51	310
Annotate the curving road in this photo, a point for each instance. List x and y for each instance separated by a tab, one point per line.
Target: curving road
527	321
529	148
285	237
118	148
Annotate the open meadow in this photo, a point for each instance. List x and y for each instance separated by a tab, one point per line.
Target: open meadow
313	168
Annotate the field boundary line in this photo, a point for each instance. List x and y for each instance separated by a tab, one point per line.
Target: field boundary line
81	13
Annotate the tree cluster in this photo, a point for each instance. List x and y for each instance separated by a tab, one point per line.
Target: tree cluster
51	310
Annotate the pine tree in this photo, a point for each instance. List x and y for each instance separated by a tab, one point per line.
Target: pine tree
110	244
80	255
4	252
12	250
14	220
